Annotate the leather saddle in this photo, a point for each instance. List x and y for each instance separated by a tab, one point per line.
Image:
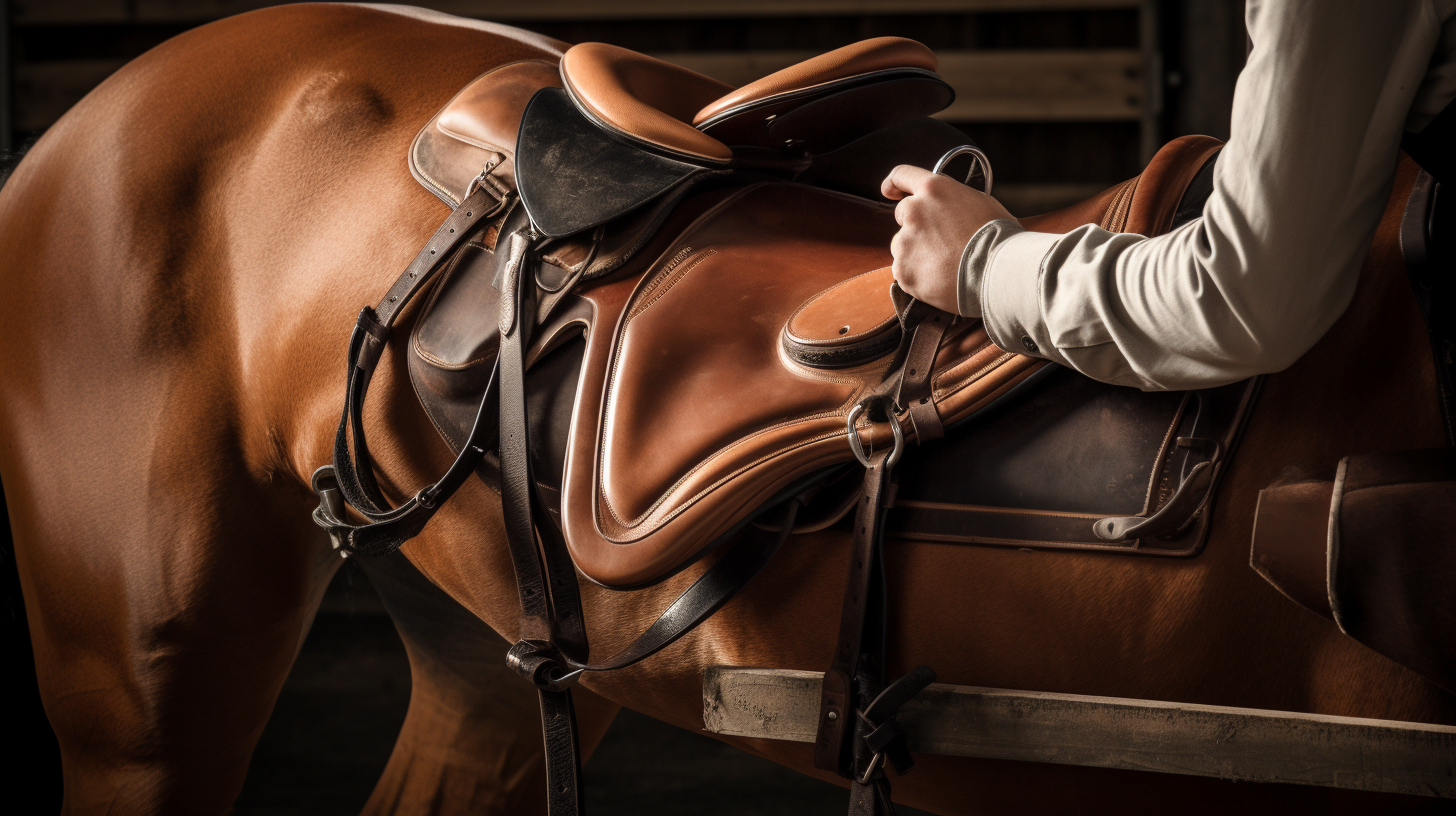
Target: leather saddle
697	281
686	393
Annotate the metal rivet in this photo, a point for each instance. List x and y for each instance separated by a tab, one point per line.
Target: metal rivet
833	715
844	330
392	298
1029	344
432	252
452	229
467	213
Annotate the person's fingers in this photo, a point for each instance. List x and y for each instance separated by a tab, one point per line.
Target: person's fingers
905	179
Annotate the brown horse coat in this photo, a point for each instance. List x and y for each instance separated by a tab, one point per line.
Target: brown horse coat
184	254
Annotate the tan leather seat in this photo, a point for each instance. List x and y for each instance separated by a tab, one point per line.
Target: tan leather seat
878	54
644	97
669	106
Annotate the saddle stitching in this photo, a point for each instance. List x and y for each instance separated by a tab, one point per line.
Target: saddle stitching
938	387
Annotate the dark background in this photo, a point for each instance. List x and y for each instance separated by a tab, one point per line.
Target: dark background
1066	96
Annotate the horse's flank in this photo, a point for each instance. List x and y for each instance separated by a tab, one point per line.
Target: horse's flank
186	252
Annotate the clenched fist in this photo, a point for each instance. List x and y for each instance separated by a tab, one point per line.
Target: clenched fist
937	217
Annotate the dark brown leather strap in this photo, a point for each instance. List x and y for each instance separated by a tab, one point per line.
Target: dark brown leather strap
350	479
832	749
355	472
914	394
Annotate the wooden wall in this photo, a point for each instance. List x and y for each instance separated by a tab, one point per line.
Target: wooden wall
1066	96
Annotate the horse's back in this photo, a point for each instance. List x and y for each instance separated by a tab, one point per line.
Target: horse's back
185	252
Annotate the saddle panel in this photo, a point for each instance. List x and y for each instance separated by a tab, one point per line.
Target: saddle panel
691	416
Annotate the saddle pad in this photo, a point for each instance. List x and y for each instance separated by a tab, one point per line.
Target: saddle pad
1040	472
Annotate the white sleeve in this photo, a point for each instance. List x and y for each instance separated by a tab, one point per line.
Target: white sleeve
1253	284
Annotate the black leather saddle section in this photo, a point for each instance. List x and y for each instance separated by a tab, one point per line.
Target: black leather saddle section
574	175
1039	471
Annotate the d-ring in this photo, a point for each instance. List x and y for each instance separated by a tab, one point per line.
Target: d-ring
858	448
981	161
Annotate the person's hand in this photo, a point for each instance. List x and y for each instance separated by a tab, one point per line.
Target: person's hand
937	217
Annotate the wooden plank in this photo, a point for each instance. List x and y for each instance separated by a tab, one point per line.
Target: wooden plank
51	12
45	90
1044	86
1107	732
1034	199
990	86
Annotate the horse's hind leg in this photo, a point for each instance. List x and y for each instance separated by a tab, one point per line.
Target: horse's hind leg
166	606
471	742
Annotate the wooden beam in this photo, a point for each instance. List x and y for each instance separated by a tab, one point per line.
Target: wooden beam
1242	744
48	12
1035	199
990	86
1044	86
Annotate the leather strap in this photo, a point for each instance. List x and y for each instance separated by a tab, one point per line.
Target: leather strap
926	326
832	750
552	650
351	477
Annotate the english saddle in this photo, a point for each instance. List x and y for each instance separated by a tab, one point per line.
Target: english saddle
700	291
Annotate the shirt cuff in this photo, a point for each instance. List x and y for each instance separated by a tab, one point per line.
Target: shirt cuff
1000	280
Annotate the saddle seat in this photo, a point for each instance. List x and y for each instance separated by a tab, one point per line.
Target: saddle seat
667	107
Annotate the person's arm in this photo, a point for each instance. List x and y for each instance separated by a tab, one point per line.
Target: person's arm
1253	284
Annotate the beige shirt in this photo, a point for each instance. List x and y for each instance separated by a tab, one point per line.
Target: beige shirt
1248	288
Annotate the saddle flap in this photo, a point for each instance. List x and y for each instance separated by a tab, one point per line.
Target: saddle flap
690	417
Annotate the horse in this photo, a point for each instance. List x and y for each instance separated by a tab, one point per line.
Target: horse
185	253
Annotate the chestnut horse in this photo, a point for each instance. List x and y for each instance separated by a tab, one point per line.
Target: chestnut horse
185	252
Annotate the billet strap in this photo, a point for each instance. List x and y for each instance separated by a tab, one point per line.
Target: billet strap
350	480
832	749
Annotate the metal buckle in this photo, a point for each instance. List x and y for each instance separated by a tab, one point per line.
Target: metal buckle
537	662
981	161
871	768
858	447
